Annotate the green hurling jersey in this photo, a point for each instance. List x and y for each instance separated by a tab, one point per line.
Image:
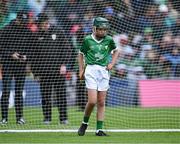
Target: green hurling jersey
97	52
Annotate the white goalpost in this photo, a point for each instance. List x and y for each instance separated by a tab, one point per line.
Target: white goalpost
144	94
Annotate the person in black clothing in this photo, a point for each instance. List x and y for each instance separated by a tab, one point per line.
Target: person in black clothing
51	54
14	45
81	92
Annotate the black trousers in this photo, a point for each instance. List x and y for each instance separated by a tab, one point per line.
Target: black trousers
47	83
81	94
19	77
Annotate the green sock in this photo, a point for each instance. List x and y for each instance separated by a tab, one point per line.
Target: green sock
86	119
99	125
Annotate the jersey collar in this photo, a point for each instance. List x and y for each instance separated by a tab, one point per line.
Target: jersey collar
98	41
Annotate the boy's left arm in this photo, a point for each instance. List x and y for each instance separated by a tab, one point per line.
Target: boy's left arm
114	59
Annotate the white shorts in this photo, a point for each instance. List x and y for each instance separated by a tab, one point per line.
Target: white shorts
97	77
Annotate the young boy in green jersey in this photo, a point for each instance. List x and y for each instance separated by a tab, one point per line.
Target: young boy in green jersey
95	51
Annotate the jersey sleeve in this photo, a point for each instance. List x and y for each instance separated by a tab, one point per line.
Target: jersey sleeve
84	47
112	45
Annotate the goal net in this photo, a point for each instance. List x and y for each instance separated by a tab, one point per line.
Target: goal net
144	89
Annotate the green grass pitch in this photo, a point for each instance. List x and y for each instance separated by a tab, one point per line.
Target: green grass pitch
116	118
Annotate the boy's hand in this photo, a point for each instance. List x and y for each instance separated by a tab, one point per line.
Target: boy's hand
109	66
81	74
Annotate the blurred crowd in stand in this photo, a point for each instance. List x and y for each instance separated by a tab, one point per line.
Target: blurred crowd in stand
145	31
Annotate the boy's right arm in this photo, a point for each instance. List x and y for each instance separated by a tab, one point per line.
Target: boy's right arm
81	66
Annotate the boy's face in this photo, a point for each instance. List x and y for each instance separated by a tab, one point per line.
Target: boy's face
101	32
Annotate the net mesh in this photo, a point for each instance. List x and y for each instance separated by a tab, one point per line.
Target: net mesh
144	86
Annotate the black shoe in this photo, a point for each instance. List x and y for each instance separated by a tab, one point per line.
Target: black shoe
82	129
101	133
20	121
3	121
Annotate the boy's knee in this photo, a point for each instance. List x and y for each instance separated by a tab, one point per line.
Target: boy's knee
92	103
101	104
